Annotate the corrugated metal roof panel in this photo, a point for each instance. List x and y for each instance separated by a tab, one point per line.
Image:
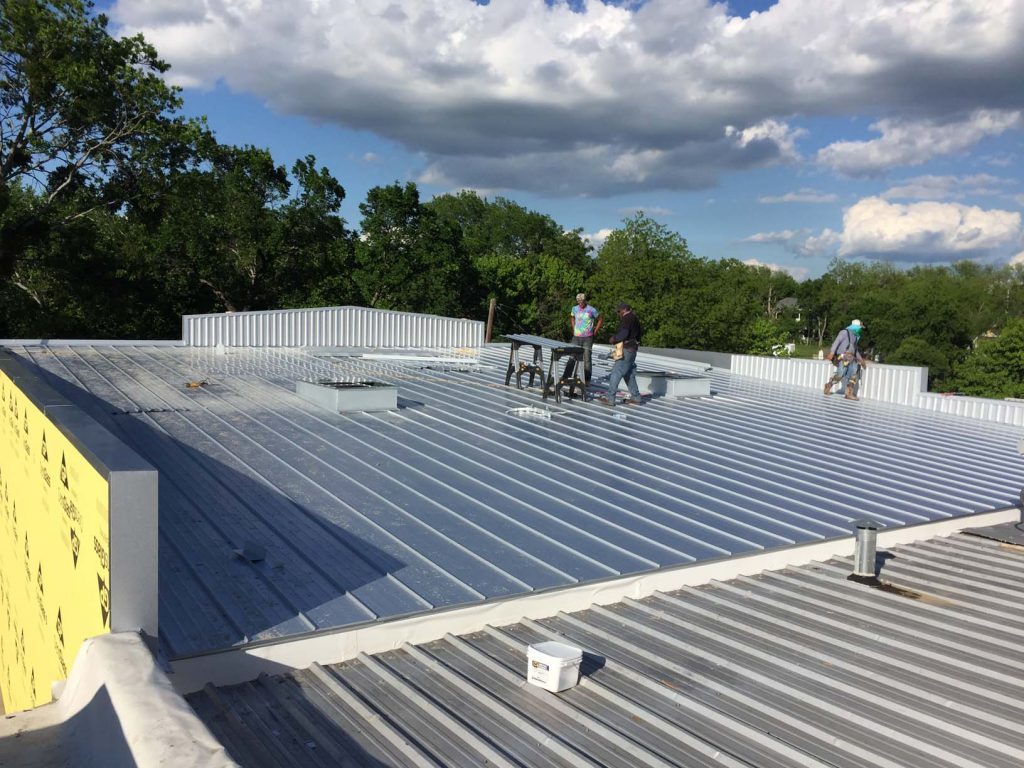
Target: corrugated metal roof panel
796	667
450	500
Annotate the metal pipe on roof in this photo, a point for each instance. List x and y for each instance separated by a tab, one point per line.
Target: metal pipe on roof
865	537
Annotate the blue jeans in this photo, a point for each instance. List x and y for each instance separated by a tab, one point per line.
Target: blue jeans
845	372
624	368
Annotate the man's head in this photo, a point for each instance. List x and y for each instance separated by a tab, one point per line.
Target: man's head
581	299
623	308
857	326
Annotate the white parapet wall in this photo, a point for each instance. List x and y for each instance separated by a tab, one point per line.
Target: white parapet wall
888	383
900	384
330	327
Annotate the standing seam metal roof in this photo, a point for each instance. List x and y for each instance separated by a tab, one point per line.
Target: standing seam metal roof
796	667
450	500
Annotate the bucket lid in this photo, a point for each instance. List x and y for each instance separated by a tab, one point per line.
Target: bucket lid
558	650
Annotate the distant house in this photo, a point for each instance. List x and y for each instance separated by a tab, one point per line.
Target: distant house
788	305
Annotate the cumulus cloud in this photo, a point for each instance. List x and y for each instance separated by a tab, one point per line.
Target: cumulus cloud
1018	259
803	196
597	239
914	142
927	231
774	134
799	242
947	187
602	98
913	232
799	273
823	244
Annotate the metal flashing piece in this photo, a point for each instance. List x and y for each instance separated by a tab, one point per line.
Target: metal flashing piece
349	396
533	412
252	551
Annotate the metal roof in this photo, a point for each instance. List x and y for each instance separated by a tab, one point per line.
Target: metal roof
796	667
454	499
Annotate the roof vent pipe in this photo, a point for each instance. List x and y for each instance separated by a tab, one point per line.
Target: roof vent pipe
865	537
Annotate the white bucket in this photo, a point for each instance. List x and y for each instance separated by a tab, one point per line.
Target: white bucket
553	666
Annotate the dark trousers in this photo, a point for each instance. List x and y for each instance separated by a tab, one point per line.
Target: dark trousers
587	342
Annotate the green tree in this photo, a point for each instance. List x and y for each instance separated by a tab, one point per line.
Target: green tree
650	267
915	350
996	367
525	260
318	245
79	110
738	299
765	337
232	235
407	258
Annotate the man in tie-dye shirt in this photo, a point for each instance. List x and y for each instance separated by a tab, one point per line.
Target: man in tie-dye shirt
586	322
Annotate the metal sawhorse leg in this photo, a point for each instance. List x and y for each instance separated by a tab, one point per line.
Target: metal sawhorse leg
519	368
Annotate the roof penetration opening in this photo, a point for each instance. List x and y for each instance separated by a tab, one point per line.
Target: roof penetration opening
349	396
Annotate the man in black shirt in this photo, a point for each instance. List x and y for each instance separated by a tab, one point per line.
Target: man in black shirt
628	334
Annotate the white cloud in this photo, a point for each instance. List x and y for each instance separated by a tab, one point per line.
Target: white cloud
802	196
611	97
370	157
927	231
799	242
819	245
799	273
913	142
1018	259
999	161
914	232
947	187
782	237
597	238
647	210
773	133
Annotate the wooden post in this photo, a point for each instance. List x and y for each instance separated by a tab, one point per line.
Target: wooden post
490	320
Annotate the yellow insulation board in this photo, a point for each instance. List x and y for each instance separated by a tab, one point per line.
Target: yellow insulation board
54	551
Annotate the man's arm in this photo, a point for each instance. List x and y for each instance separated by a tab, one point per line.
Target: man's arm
600	322
835	345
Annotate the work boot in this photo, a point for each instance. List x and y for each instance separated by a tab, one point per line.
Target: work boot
850	396
828	386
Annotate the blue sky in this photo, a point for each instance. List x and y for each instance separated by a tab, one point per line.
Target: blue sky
778	133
